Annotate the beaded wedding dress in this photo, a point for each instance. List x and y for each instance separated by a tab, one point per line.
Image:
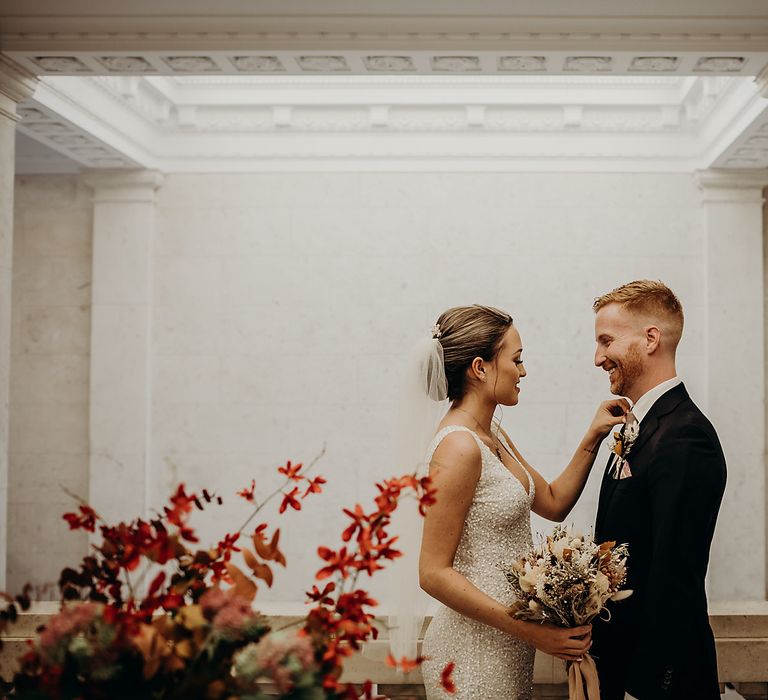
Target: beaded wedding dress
490	665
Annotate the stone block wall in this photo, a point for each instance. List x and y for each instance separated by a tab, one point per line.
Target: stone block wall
48	445
283	307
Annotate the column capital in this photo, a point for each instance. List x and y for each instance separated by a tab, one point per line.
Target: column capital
16	84
124	185
736	185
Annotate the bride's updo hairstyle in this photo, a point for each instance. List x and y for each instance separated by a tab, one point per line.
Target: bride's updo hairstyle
467	332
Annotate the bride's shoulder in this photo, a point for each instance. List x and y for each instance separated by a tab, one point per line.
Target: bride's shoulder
456	445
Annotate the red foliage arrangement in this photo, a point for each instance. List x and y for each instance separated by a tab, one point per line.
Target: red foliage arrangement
194	633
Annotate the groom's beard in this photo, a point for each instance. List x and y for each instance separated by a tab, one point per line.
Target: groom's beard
628	371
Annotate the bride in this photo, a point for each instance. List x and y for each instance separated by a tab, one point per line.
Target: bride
485	492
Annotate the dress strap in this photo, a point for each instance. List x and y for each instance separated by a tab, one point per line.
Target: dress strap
446	431
507	445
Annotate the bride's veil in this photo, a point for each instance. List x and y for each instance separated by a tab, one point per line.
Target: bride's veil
421	405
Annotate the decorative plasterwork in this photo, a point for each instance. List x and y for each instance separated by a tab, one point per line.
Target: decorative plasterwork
49	128
16	84
618	61
419	103
750	149
237	123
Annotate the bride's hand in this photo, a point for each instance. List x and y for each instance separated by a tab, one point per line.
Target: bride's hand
609	414
569	644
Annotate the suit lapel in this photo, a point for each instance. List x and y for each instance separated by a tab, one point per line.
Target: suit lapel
606	490
665	404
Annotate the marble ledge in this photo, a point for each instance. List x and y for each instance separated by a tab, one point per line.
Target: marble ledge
741	632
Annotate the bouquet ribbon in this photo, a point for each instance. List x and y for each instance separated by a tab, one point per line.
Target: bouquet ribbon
582	675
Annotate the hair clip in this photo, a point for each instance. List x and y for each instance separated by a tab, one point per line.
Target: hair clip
436	332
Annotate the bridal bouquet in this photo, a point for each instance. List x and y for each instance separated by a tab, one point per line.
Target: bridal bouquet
567	581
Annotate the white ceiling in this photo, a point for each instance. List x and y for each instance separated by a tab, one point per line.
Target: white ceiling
390	16
255	123
215	85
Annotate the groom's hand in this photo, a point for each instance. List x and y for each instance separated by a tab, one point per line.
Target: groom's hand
569	644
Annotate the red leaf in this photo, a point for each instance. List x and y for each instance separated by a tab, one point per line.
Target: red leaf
85	521
314	486
157	582
407	665
291	471
289	499
259	569
322	597
271	551
249	493
244	587
446	678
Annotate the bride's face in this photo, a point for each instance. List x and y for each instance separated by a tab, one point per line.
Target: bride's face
507	369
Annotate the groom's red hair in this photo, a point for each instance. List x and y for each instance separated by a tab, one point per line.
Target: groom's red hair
652	300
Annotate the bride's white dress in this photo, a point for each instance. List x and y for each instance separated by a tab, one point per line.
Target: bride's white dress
490	665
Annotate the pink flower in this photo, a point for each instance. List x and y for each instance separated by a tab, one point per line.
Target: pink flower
232	617
213	600
227	611
73	619
275	658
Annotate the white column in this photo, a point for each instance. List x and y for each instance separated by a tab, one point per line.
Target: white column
121	327
732	211
16	84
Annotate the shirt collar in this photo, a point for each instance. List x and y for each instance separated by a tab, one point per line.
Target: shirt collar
646	401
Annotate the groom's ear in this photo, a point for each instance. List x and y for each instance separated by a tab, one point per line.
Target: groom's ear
652	338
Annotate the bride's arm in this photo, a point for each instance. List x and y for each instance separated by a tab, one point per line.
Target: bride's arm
554	500
455	470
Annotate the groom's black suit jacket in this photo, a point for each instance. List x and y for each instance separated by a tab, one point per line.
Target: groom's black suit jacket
658	643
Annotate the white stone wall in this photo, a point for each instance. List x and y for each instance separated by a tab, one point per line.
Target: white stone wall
48	446
284	305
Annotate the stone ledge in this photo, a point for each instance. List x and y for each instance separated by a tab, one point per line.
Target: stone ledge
741	635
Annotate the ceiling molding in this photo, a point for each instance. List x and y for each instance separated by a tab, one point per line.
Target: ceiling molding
166	85
337	60
745	140
69	130
191	124
411	25
16	84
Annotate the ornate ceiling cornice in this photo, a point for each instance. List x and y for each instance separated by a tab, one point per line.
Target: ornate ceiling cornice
135	48
309	59
16	84
194	124
78	38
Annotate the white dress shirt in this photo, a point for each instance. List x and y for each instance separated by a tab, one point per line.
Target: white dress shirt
646	401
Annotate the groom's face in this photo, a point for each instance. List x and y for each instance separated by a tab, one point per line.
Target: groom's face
619	338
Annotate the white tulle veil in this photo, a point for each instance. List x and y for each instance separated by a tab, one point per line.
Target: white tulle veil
421	405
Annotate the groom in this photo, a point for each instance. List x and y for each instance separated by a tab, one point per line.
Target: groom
660	493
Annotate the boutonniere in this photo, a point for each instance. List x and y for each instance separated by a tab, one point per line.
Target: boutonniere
622	441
